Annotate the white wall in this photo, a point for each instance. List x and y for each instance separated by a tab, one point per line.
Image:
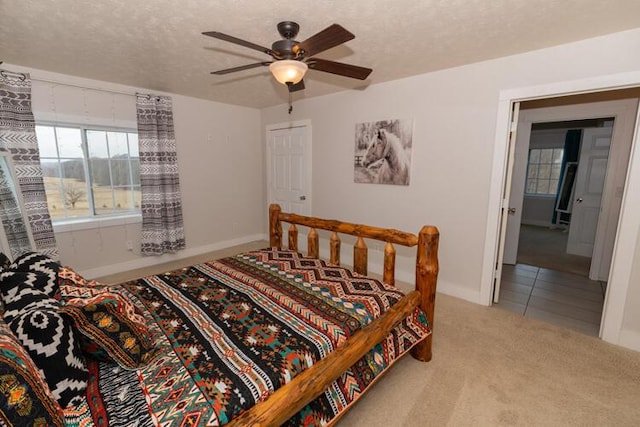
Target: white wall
220	163
454	113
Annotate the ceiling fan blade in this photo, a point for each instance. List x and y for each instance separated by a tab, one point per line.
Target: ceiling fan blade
231	39
240	68
296	87
339	68
326	39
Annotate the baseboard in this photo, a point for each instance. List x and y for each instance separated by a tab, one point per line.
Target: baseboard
455	290
149	261
629	339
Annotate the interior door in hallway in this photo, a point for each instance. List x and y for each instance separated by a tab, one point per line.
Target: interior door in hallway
289	168
590	178
514	186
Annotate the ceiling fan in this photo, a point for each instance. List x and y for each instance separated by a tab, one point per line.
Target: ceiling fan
291	58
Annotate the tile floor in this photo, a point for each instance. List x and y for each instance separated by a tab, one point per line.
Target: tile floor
564	299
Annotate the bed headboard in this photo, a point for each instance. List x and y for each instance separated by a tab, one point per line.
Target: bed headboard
426	271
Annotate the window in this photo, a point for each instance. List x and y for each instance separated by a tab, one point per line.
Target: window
543	171
89	171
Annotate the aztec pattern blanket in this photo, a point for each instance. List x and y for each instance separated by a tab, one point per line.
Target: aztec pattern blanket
236	329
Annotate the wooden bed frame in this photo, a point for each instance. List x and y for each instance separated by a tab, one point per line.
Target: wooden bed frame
292	397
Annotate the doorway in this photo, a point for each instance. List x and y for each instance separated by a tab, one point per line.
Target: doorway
625	239
563	177
604	167
561	282
567	162
289	166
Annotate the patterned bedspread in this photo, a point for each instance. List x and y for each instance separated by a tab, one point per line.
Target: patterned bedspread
236	329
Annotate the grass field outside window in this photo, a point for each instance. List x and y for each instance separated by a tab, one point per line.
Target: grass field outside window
89	171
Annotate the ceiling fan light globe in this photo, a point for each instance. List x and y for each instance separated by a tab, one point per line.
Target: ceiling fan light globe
288	70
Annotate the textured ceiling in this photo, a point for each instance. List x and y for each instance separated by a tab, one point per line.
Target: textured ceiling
157	44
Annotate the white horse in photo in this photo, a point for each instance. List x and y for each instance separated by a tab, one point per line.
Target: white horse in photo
387	149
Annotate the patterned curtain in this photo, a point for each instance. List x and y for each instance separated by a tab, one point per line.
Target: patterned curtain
162	227
11	215
18	137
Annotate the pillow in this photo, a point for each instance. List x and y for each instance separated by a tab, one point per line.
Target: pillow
20	289
73	286
39	263
50	340
111	329
68	277
25	399
111	320
5	262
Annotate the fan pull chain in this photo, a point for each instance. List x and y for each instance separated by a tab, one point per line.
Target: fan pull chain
290	104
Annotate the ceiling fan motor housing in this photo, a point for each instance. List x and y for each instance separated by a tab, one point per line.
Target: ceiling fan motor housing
284	48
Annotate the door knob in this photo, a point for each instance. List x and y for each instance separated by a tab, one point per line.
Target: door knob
511	211
303	197
579	200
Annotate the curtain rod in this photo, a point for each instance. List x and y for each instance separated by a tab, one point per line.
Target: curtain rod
148	96
7	73
22	76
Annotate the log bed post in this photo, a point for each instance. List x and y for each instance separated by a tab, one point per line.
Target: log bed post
275	227
389	272
360	260
426	277
334	243
313	244
293	237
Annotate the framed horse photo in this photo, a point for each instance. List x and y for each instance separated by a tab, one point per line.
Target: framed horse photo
383	152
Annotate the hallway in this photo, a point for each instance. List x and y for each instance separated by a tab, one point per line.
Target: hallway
561	298
547	247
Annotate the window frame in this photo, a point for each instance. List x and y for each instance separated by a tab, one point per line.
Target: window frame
537	178
92	219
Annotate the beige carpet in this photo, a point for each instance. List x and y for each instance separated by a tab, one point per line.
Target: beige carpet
545	247
491	367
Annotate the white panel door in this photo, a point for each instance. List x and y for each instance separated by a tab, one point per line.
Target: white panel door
516	192
511	159
592	170
289	169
